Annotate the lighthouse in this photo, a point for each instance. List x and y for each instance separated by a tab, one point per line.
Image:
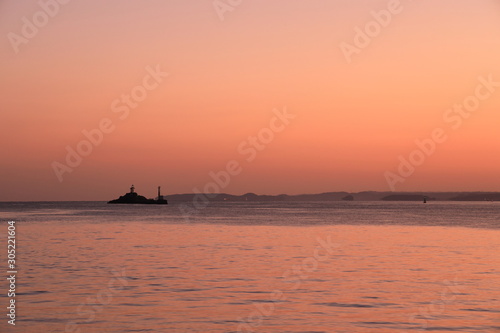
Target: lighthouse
160	199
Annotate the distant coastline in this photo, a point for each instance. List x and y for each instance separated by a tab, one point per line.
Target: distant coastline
346	196
327	196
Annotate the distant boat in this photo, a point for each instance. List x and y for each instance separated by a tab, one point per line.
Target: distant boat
133	198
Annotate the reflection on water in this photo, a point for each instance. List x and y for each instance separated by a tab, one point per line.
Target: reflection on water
251	268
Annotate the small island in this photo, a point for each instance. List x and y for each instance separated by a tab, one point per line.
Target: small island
133	198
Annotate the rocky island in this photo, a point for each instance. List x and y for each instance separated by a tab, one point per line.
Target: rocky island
133	198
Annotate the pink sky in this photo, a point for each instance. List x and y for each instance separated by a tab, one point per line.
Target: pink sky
225	77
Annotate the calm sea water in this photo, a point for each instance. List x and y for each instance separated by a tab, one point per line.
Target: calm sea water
255	267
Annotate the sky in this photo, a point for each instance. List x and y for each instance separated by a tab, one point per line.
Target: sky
255	96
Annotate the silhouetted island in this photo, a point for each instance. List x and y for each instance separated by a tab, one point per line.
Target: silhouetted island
133	198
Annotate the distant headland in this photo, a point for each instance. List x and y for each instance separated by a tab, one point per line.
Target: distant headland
345	196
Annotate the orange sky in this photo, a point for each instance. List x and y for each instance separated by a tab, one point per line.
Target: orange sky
225	77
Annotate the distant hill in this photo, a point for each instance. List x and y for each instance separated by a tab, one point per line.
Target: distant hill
345	196
406	197
480	196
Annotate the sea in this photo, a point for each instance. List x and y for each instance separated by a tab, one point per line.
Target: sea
277	266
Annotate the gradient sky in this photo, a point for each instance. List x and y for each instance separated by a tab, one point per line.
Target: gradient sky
353	120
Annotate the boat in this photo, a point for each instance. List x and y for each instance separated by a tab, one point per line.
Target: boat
133	197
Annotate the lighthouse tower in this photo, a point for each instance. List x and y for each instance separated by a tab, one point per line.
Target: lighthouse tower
160	197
